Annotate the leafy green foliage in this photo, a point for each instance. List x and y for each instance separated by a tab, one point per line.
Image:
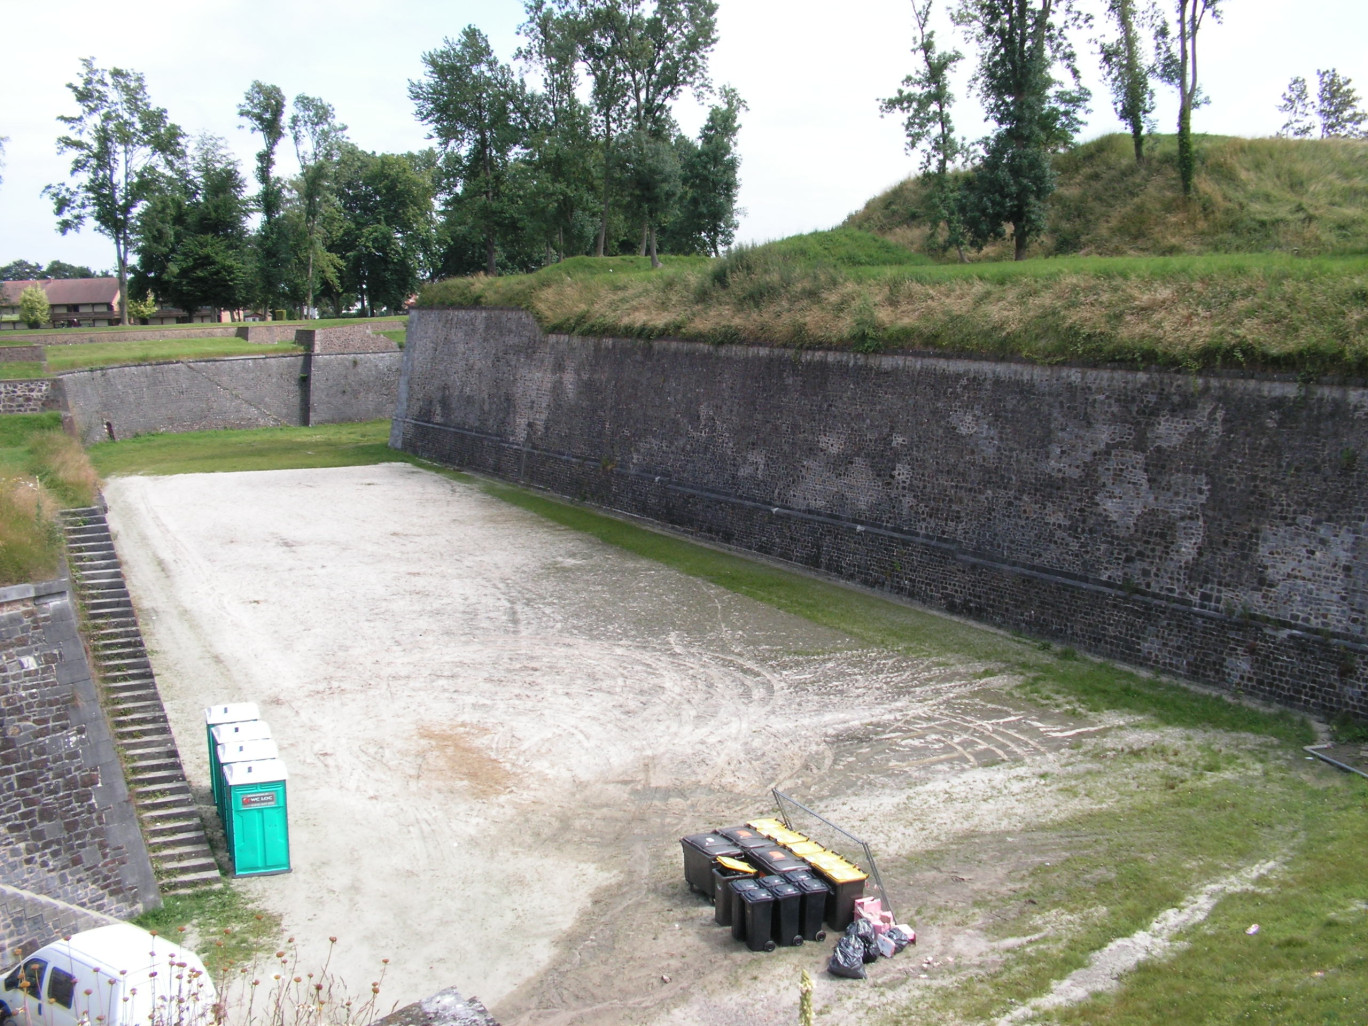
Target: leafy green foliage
121	146
34	309
1020	43
42	470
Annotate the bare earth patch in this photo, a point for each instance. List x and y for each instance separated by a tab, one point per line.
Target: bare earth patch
497	730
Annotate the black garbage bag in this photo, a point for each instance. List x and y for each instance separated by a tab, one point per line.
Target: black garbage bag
900	939
848	958
863	931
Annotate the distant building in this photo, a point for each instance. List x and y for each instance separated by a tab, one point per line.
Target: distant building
92	301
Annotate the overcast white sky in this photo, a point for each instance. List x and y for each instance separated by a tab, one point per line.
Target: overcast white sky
813	145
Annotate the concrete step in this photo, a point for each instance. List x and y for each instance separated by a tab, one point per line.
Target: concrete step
186	883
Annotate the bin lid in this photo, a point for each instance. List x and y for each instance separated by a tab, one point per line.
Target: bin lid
842	874
247	751
710	844
231	713
245	730
744	883
766	825
263	771
805	848
754	895
727	862
782	889
745	836
808	883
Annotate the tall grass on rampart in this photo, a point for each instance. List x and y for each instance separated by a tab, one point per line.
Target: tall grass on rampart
42	471
1269	312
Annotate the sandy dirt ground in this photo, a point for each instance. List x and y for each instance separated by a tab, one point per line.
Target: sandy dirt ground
497	731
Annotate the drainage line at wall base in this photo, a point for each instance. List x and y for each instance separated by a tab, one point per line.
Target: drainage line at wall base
1315	750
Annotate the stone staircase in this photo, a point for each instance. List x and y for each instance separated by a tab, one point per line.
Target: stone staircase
171	826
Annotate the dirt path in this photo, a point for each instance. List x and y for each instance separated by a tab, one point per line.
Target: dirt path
498	729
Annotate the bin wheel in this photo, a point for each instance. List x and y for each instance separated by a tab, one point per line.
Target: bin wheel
798	941
769	945
821	935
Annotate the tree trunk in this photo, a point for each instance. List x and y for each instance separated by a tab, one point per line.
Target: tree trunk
491	266
655	259
607	163
645	235
1020	238
121	256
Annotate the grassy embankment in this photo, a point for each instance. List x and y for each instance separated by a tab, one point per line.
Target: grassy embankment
1265	269
186	346
42	471
1225	787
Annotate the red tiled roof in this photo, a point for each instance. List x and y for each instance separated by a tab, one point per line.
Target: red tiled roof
68	291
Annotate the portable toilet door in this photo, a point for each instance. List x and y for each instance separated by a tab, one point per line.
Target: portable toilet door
226	733
257	823
255	750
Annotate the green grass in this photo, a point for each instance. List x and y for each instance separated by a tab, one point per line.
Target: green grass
21	370
105	354
397	336
42	470
25	336
228	928
205	452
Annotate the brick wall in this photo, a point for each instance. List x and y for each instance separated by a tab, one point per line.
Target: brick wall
70	848
25	396
1214	528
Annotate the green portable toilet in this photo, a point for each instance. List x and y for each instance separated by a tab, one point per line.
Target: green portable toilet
229	733
257	823
215	715
255	749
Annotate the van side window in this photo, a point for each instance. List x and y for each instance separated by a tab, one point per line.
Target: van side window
28	978
61	987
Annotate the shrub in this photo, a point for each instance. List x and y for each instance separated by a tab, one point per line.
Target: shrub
33	307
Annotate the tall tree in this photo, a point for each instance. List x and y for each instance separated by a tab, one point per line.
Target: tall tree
120	144
926	101
1180	69
1020	42
21	270
385	202
667	46
1128	72
1337	106
478	112
711	173
561	141
263	107
601	34
1296	104
194	251
318	139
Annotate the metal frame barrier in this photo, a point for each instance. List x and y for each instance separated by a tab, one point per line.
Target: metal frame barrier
785	803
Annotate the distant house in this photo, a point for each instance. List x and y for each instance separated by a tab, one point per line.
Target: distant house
92	301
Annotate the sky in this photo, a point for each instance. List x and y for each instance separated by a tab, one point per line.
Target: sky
813	145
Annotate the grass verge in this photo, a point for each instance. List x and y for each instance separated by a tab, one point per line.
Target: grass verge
21	370
105	354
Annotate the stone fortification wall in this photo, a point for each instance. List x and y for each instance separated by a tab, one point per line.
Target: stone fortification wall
348	387
1214	528
243	392
191	395
70	849
361	337
25	396
76	337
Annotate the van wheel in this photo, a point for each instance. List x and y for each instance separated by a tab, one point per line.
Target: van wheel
8	1020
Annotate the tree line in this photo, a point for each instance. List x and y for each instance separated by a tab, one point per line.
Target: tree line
593	161
1027	77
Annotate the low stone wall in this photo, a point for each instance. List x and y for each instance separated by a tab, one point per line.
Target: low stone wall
70	848
1213	528
26	396
21	354
240	392
267	333
77	337
348	338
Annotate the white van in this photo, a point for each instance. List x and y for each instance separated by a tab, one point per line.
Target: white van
117	975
